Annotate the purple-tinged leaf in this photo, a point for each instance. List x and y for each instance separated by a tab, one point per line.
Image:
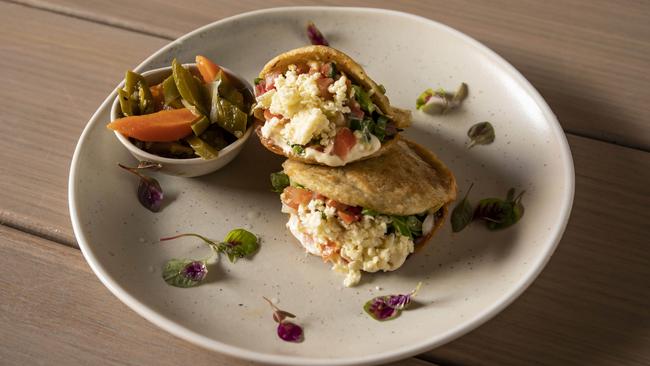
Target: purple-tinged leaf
290	332
150	193
378	309
184	272
238	243
195	271
287	331
389	307
315	36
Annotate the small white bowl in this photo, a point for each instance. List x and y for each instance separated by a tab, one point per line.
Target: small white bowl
193	167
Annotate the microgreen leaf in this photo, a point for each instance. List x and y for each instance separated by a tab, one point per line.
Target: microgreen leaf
150	193
287	331
459	95
290	332
315	36
441	101
239	243
499	213
399	223
184	272
369	212
389	307
480	134
279	181
462	214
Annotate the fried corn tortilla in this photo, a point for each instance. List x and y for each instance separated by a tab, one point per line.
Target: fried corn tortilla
399	118
406	180
345	63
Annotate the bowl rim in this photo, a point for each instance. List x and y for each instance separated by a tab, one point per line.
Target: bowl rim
429	343
169	161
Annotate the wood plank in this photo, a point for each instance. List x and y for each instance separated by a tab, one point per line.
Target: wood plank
54	77
589	60
54	311
590	305
587	307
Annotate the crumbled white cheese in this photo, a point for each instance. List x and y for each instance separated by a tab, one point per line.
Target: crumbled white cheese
363	245
296	97
305	125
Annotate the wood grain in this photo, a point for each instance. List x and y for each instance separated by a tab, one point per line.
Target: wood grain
54	311
590	305
589	59
54	77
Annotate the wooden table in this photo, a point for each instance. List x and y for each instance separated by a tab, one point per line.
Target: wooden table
589	59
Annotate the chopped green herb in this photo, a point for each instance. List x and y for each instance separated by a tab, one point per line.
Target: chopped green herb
279	181
369	212
364	99
257	80
298	149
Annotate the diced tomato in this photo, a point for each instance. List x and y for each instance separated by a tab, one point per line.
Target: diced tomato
343	142
348	214
294	197
356	210
302	69
336	204
269	81
326	69
329	251
268	115
355	109
348	217
323	84
318	196
260	88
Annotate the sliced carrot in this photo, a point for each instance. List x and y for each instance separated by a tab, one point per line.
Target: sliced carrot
162	126
207	68
158	97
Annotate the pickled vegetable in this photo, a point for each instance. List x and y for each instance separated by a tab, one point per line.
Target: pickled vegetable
136	85
170	91
163	126
126	104
207	68
187	86
216	137
202	148
200	125
228	116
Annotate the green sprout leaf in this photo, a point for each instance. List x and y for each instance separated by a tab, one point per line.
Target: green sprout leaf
184	272
481	134
462	214
498	213
239	243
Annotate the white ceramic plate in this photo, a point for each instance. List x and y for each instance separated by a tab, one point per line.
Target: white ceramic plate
467	277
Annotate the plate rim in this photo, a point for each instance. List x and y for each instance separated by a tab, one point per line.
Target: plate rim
392	355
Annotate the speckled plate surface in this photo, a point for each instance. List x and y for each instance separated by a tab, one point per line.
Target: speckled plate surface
467	277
